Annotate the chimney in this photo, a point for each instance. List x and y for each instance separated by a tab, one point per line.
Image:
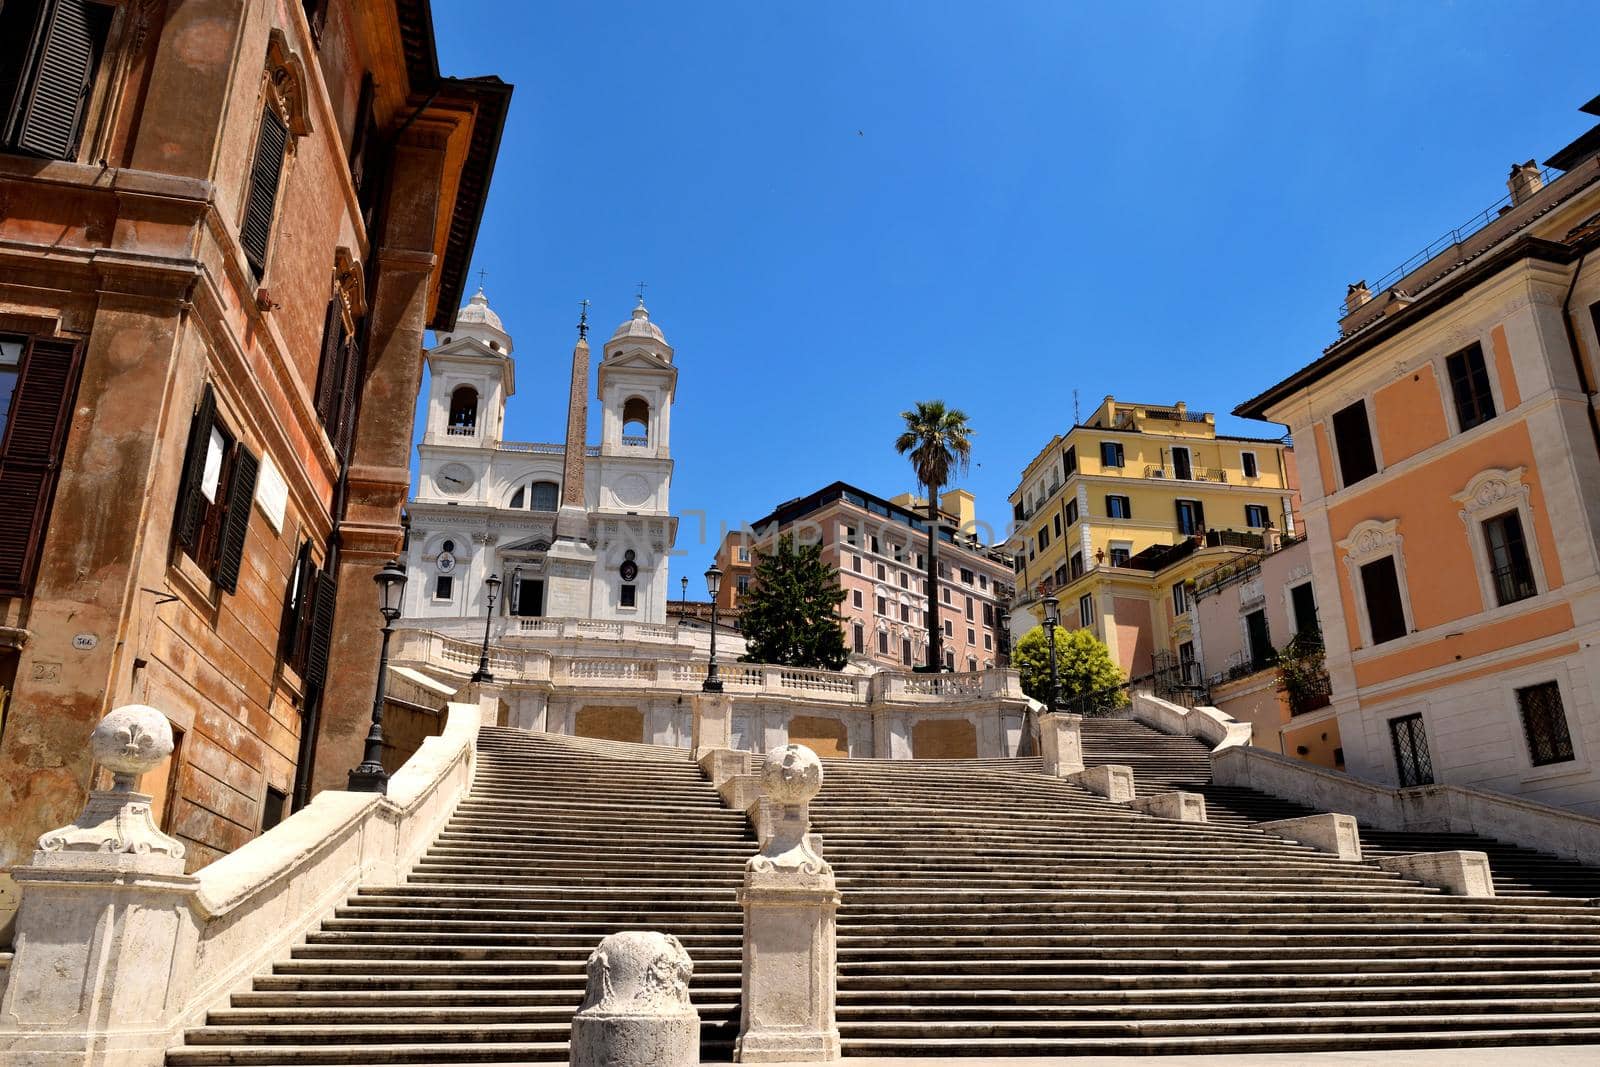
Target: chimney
1355	295
1525	180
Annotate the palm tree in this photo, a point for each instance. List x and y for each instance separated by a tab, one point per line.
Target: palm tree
938	439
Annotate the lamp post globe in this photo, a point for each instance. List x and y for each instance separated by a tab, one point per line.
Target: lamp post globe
713	683
369	776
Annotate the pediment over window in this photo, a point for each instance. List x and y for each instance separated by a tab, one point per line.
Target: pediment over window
286	78
1492	490
1370	539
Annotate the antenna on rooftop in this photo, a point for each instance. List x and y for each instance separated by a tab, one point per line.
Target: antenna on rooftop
1075	417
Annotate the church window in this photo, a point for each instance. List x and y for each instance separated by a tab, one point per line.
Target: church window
443	587
545	496
463	410
635	421
519	499
448	546
628	596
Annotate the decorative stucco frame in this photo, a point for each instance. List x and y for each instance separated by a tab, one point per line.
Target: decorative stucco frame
1369	541
1490	494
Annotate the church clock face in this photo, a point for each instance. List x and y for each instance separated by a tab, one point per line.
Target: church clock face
453	479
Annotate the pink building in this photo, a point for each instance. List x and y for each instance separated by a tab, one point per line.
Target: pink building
879	547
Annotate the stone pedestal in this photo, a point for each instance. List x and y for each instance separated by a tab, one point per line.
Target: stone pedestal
720	765
636	1010
1114	781
1061	743
713	723
1176	805
1332	833
790	905
105	937
1463	874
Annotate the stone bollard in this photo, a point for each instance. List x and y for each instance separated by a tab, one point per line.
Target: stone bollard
105	937
1061	743
636	1010
790	939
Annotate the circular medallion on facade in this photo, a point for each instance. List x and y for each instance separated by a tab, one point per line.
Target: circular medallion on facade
632	490
446	563
629	570
453	478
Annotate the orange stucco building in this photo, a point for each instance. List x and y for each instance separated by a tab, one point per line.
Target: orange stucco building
1452	498
224	230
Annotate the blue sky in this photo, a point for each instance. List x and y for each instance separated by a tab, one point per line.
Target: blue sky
842	208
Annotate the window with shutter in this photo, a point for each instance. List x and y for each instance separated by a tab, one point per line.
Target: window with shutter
323	601
261	197
333	335
1352	439
191	499
50	51
349	388
293	630
1469	386
236	519
34	434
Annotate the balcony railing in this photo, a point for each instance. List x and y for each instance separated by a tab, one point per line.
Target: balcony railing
1196	474
461	431
635	441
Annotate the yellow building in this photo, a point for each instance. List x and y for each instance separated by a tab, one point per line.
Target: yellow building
1137	500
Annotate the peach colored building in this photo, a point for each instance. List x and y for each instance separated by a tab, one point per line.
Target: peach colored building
878	547
1452	498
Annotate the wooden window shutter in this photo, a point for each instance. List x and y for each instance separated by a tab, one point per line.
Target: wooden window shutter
31	457
297	606
262	196
322	606
236	523
349	388
191	500
328	369
48	114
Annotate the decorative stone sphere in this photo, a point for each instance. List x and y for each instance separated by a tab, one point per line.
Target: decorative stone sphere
793	774
130	740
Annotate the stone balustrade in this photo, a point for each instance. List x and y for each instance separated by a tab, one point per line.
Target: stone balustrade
513	665
118	951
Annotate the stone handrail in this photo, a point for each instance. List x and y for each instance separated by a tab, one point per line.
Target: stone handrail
1436	808
255	901
1208	724
105	905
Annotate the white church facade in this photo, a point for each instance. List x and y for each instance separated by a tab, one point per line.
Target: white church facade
572	530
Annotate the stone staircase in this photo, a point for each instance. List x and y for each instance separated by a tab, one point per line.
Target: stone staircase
479	957
992	911
1161	762
988	910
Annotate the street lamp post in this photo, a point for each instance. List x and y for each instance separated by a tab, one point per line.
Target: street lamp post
684	599
492	584
713	684
1052	619
369	776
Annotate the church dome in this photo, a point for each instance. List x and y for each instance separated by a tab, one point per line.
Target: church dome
639	325
478	321
478	311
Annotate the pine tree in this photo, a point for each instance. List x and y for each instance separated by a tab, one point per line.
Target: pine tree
789	615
